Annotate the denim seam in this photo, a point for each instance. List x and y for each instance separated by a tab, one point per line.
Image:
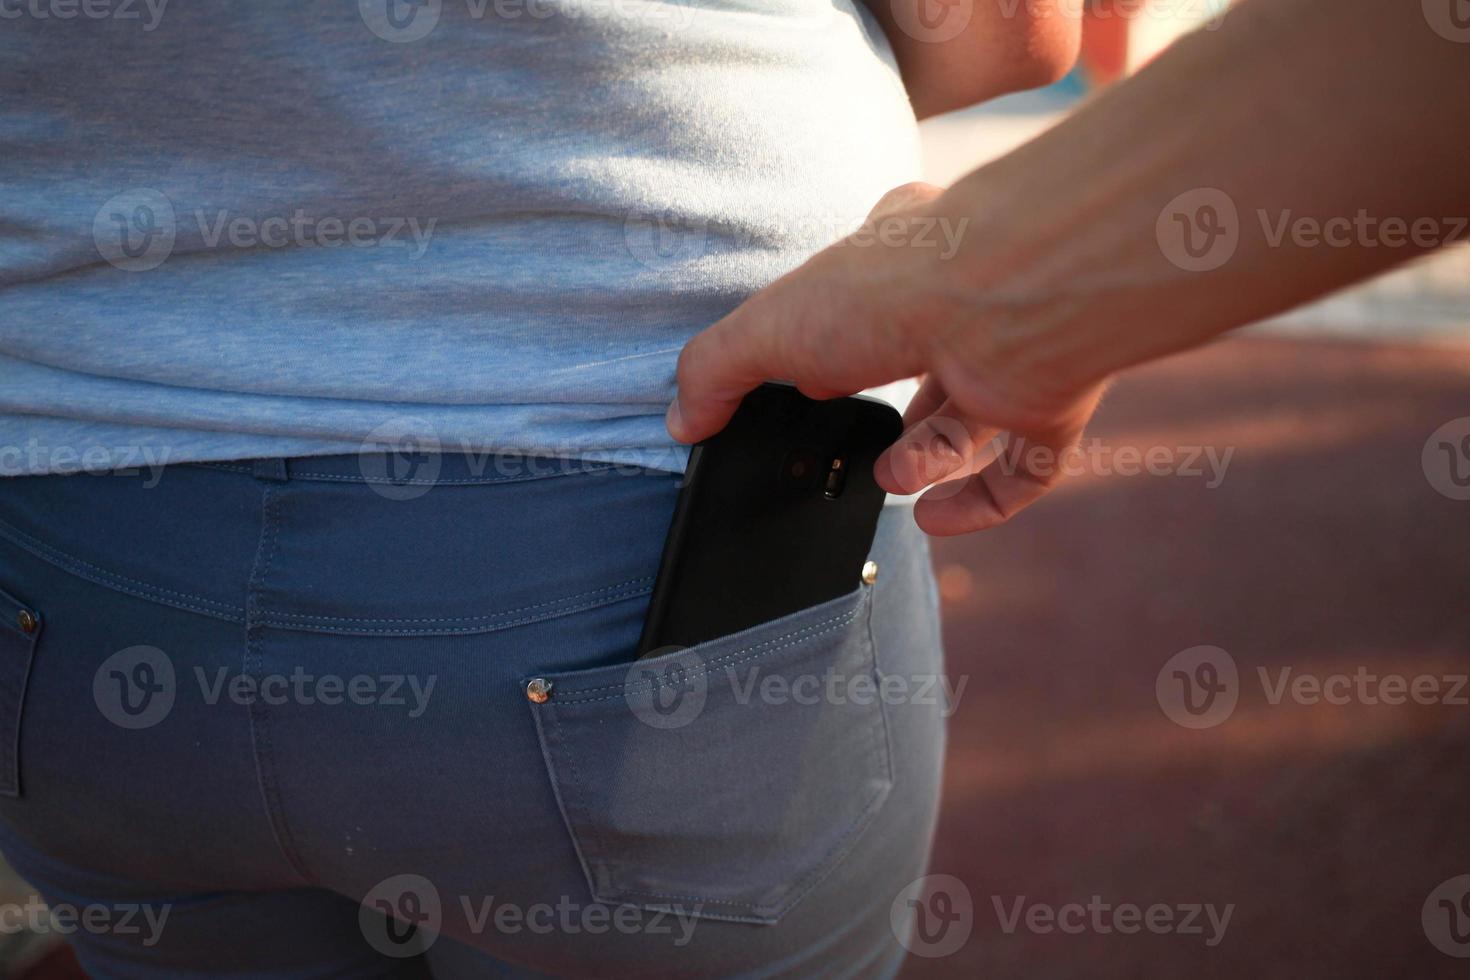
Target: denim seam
546	738
101	576
885	741
253	666
803	885
730	659
224	466
295	474
472	480
355	621
10	739
591	830
347	630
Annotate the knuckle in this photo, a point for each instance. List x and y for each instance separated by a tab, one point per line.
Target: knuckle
914	190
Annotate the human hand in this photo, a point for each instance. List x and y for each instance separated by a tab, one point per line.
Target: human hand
990	423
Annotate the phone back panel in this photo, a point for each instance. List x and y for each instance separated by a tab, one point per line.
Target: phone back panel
755	534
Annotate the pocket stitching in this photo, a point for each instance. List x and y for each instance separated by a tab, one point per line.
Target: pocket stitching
119	583
25	655
594	835
585	835
886	741
749	653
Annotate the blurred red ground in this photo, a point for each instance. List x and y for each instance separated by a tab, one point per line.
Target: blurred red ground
1325	548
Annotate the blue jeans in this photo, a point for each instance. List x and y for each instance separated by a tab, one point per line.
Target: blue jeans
313	717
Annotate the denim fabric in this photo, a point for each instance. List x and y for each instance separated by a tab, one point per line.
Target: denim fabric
280	710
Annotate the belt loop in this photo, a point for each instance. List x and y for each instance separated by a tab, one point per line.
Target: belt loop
273	469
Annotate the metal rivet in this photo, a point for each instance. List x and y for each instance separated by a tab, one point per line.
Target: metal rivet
870	572
27	621
538	690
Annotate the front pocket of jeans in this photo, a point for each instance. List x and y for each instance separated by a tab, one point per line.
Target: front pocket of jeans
20	628
725	780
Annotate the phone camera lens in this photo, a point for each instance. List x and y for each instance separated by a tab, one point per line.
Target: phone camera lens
800	470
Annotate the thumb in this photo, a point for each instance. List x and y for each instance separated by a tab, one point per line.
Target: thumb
755	343
833	326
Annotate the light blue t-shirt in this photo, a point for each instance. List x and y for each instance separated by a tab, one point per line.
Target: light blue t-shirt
243	228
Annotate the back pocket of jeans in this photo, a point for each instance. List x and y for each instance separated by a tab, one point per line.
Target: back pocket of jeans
727	779
20	628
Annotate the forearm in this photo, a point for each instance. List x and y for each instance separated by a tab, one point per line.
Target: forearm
998	46
1293	108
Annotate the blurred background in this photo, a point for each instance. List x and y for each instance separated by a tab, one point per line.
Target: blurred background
1336	544
1326	535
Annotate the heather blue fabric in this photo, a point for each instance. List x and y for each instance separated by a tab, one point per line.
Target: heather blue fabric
268	228
272	830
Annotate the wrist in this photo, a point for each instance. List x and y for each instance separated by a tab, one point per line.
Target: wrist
1021	321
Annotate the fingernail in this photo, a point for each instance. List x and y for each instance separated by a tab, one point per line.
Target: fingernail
674	420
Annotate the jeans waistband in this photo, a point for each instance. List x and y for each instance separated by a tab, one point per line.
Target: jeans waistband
418	468
304	544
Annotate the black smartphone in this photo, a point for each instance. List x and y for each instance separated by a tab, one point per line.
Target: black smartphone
777	513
